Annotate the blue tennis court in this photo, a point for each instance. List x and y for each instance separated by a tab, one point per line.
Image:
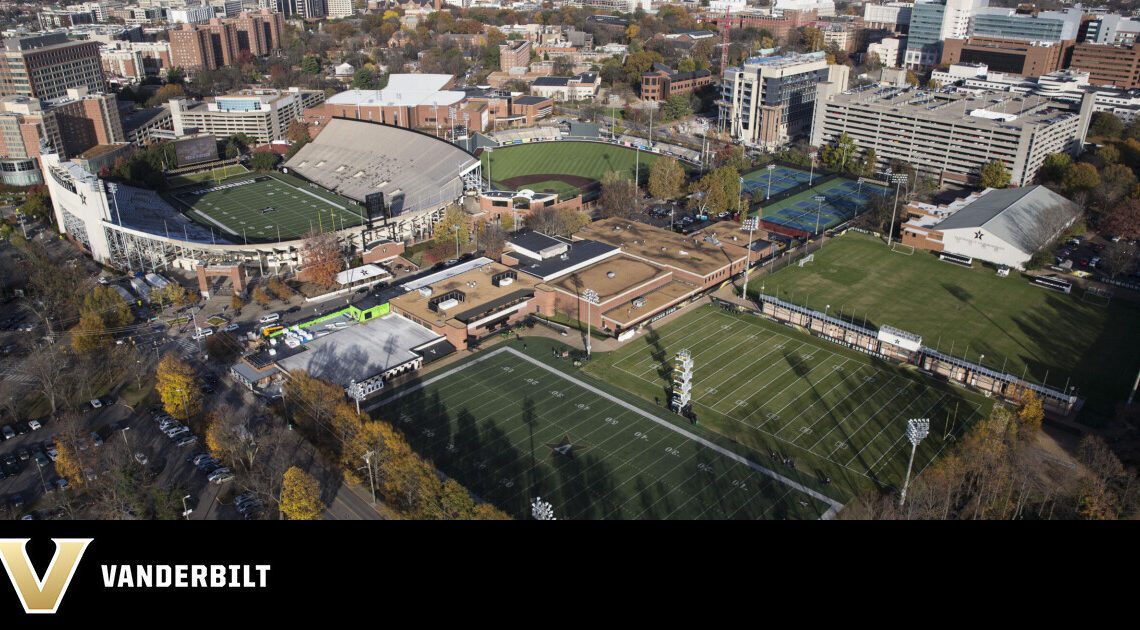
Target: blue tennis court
783	180
843	199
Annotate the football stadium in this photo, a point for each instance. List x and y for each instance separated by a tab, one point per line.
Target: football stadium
364	181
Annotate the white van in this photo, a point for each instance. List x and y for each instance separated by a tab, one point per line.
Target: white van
272	317
202	333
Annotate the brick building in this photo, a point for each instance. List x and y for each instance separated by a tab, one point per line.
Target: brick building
1108	65
661	82
1012	56
225	41
45	66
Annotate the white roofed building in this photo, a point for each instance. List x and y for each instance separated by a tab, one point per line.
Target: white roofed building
410	100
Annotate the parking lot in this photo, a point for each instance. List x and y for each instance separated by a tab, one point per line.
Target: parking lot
1086	254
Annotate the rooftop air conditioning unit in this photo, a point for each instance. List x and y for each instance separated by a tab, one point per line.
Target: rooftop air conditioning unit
610	274
425	291
683	252
505	281
638	302
446	304
272	352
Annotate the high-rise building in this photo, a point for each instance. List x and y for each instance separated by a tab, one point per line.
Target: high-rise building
223	41
933	22
951	136
1112	29
87	120
1047	26
514	54
136	60
1118	66
1003	54
306	9
45	66
770	100
191	14
891	16
264	115
341	8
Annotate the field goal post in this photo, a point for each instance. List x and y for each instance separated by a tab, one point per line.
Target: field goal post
902	248
806	259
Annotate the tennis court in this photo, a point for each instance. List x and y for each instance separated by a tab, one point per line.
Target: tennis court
842	199
268	207
783	179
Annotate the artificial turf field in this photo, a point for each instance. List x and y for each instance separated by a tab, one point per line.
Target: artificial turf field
838	413
971	312
238	206
501	422
581	159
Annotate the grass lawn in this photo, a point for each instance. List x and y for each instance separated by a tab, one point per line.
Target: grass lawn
230	170
972	312
837	413
268	207
581	159
514	423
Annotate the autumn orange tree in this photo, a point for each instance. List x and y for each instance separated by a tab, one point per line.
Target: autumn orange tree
321	258
300	496
178	387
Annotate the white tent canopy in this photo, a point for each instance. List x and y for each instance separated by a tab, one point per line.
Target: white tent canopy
358	274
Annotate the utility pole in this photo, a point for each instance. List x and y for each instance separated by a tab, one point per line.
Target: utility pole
371	481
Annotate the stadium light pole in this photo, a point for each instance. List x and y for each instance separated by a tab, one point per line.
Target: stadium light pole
455	228
811	173
185	510
768	195
897	180
591	297
819	199
542	510
916	431
749	224
368	460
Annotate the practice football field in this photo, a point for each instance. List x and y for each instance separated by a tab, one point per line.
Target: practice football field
268	207
515	423
835	412
1015	326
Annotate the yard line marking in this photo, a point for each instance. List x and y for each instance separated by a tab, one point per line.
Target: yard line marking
868	419
901	414
730	395
679	343
689	434
776	414
823	398
854	409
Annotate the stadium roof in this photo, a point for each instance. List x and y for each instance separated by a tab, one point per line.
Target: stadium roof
355	158
406	90
1027	218
362	351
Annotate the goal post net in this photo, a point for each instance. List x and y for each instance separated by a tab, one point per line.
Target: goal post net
902	248
806	259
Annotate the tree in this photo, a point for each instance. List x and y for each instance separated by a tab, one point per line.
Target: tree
994	175
1081	176
453	227
263	161
1105	125
1122	220
166	94
279	289
687	65
558	221
48	367
311	64
321	258
178	387
840	156
300	496
1108	154
236	302
261	297
298	132
90	335
1054	167
1119	258
106	303
619	196
676	106
1030	415
716	192
563	66
867	164
666	178
491	237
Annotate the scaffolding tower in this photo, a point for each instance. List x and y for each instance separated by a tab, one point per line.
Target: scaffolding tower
682	381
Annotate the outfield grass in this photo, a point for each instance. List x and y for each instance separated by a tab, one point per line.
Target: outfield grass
240	210
972	312
496	423
837	413
582	159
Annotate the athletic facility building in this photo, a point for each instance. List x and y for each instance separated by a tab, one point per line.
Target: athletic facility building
416	174
951	136
260	219
1005	227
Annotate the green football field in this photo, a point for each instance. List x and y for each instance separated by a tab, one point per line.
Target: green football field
268	207
544	161
514	423
1018	326
835	412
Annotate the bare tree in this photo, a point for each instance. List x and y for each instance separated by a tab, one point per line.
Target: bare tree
49	367
1119	258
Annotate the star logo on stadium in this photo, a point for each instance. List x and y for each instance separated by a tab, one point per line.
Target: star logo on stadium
978	235
83	199
567	448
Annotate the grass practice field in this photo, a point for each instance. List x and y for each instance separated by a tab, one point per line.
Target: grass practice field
514	423
970	312
843	199
590	160
268	207
834	412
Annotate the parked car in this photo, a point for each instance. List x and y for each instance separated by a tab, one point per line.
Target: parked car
231	328
8	432
141	458
202	333
41	460
22	428
222	478
35	425
24	454
96	439
52	453
218	473
177	431
186	441
95	403
62	483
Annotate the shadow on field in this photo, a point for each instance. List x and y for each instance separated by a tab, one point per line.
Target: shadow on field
661	359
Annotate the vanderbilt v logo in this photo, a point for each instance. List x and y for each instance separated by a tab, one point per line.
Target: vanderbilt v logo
42	595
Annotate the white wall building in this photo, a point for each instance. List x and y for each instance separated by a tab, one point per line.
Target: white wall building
889	51
824	8
263	114
191	14
891	15
341	8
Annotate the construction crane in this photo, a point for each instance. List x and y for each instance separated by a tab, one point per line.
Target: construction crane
725	27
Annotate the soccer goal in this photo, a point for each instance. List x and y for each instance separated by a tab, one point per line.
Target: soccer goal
1097	296
902	248
806	259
